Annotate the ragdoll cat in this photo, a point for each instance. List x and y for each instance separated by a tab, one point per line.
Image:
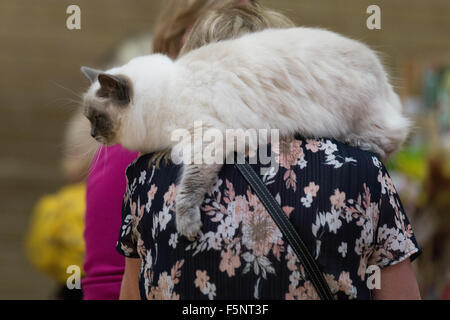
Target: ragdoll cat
301	80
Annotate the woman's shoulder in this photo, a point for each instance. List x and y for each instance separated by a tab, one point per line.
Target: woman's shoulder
139	162
333	147
324	162
334	153
327	153
142	162
322	156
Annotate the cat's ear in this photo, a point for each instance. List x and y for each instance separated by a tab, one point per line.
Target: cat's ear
91	74
114	87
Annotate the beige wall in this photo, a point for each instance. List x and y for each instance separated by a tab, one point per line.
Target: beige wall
39	56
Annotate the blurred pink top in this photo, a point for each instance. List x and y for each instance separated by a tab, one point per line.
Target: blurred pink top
106	185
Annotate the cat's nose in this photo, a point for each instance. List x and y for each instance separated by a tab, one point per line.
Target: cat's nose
93	132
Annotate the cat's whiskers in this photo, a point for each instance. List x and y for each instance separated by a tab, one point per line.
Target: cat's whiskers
96	160
79	96
105	161
66	103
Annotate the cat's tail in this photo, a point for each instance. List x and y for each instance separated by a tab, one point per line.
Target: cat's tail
389	127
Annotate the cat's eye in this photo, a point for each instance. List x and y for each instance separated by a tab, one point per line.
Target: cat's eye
101	121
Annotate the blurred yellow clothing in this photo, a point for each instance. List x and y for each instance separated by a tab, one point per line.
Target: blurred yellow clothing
55	239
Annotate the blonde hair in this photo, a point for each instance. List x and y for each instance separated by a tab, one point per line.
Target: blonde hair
214	23
177	17
233	21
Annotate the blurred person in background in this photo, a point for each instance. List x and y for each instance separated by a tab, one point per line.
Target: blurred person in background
55	240
240	252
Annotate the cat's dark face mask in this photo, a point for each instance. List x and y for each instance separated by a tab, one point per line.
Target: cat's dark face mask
103	110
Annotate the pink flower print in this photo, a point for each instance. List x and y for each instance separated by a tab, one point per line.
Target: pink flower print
141	213
169	196
201	279
293	294
152	192
291	179
313	145
287	210
133	208
141	249
390	185
338	199
310	292
290	153
229	192
229	262
312	189
345	283
175	272
240	209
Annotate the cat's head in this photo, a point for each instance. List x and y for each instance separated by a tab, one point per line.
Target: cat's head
120	102
105	103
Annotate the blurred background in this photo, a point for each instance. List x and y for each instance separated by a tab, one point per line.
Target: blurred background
40	82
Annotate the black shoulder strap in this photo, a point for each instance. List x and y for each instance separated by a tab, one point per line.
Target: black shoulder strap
311	268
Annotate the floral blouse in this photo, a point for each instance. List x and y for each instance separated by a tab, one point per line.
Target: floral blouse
341	200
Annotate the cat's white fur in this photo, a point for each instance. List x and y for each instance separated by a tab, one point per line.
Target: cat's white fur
301	80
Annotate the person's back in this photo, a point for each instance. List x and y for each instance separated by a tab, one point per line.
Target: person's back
340	199
106	183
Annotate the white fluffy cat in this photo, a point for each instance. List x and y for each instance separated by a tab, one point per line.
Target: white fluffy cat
302	80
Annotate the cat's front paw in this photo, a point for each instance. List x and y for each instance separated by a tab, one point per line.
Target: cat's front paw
188	221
